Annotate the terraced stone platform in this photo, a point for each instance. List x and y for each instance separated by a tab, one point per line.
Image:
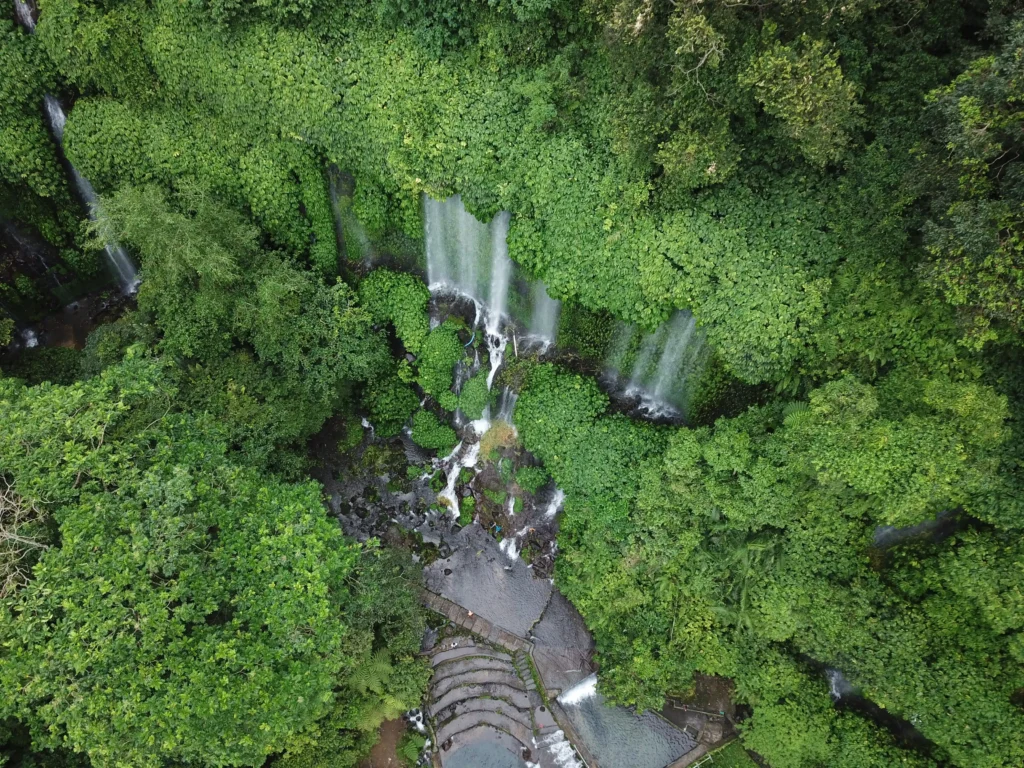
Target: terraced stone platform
483	699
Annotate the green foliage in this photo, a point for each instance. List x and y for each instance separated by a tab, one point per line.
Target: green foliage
973	172
803	86
411	747
6	331
202	612
389	402
474	396
530	479
725	546
429	433
59	365
270	347
27	155
767	166
467	506
98	47
441	351
732	755
400	299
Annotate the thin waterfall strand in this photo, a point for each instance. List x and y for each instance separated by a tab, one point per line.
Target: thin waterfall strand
119	262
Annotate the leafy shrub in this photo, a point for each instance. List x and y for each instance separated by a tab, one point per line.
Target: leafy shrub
58	365
530	479
429	433
475	396
441	351
401	299
389	403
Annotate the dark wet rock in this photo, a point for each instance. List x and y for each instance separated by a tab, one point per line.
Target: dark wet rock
429	640
563	647
511	599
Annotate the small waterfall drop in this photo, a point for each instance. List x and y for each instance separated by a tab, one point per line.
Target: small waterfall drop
659	363
23	12
838	685
544	315
470	258
118	261
501	271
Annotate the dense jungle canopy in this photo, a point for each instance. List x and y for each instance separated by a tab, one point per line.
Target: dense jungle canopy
835	190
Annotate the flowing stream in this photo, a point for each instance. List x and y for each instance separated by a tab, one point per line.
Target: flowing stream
657	368
23	12
469	259
118	261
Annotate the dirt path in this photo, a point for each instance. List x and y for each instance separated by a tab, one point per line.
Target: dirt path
384	754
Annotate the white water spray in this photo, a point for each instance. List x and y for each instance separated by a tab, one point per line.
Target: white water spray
544	317
660	363
118	261
24	14
583	690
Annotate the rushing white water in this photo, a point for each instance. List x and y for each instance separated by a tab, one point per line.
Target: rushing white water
561	751
838	685
583	690
660	363
501	271
680	331
29	338
555	504
544	315
120	264
507	405
470	258
24	14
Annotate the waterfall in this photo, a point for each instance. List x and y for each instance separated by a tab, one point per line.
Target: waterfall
23	11
470	258
659	363
121	266
838	685
507	405
501	270
544	315
680	332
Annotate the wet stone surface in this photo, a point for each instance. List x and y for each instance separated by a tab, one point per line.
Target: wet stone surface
563	647
487	582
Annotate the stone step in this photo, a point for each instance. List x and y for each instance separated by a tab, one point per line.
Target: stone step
483	677
471	664
478	733
463	651
459	641
500	706
514	696
496	720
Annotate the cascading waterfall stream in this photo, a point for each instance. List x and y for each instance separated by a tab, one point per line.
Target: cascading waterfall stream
23	12
118	261
660	363
544	318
